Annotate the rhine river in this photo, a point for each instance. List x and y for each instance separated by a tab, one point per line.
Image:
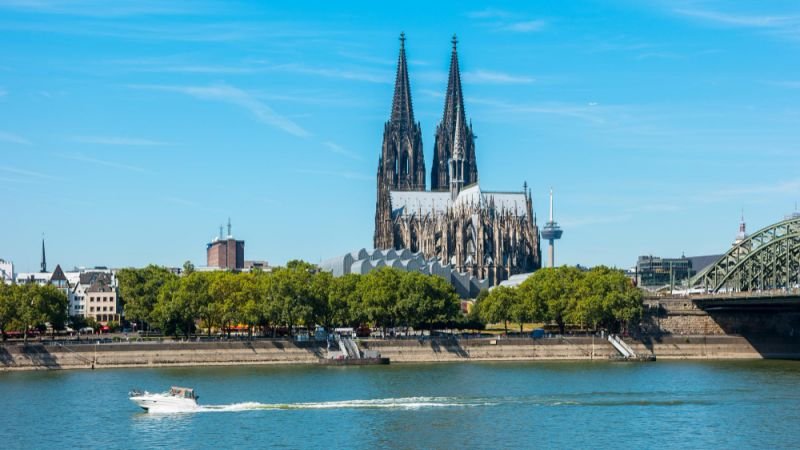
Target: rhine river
461	405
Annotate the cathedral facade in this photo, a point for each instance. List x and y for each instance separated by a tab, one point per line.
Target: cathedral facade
488	234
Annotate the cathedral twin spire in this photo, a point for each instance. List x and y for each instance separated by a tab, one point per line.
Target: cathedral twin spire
402	163
452	131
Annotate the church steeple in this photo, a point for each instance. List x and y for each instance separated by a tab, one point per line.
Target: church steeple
402	112
402	164
456	162
454	122
44	259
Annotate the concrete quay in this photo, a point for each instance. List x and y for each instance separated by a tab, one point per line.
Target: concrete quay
268	351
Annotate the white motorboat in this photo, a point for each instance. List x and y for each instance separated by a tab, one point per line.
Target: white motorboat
177	399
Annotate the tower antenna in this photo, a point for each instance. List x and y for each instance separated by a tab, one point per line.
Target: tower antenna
552	232
229	227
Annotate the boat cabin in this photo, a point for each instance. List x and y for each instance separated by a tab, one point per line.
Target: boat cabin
181	392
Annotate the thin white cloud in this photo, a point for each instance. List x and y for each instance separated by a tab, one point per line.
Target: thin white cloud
102	8
338	149
231	70
783	26
789	84
368	58
15	180
490	13
99	162
380	77
527	26
490	77
117	140
188	32
590	113
28	173
594	220
781	187
238	97
501	20
180	201
13	138
344	174
432	93
740	20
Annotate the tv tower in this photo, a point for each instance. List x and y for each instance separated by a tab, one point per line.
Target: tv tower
551	232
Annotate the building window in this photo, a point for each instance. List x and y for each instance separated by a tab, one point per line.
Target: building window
91	309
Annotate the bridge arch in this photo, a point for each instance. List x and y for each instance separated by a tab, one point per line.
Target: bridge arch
767	259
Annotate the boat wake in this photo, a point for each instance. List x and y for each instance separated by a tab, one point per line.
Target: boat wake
419	403
407	403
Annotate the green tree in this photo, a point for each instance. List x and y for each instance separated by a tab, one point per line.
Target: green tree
379	292
499	305
266	301
54	306
174	311
188	268
7	307
608	298
319	299
29	307
441	304
293	296
559	289
344	303
140	288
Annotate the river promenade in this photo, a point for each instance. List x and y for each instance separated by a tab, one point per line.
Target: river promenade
49	356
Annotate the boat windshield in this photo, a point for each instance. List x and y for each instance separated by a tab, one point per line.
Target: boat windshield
181	392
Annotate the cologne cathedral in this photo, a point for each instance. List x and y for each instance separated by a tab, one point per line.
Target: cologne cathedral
487	234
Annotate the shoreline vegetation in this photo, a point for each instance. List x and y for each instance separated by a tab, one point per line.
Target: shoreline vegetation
300	296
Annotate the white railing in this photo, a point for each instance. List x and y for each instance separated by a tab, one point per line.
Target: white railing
624	349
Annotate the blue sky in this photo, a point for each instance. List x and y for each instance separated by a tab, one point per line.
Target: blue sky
130	130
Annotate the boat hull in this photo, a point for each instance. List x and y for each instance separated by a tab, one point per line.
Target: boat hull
159	403
353	361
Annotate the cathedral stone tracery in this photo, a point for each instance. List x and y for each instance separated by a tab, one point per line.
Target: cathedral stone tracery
491	235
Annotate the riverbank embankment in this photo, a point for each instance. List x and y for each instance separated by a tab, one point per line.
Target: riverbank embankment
38	356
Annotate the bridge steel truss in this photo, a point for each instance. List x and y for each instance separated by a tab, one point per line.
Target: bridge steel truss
767	259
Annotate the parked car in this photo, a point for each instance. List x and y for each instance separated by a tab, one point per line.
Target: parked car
86	330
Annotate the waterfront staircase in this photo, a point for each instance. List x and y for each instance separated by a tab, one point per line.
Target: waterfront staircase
349	347
625	350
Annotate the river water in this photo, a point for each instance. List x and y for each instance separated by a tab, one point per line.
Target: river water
460	405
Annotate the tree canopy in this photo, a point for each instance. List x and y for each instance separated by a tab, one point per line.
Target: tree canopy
600	297
285	298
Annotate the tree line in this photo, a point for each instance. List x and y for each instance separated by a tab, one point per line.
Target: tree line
31	306
301	295
598	298
285	298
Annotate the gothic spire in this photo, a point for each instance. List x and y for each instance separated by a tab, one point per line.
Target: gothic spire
454	100
454	125
402	112
401	165
44	260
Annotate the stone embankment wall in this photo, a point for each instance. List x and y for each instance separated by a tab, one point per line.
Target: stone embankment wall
84	356
412	350
680	316
38	356
718	347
